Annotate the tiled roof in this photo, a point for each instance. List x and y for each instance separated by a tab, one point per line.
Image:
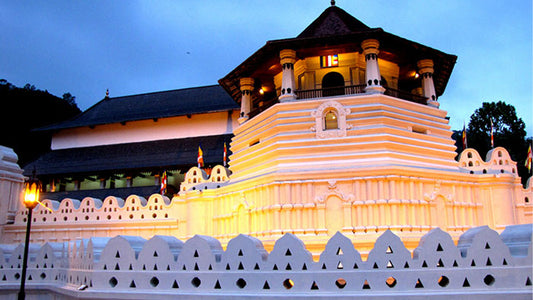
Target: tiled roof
161	154
152	106
333	21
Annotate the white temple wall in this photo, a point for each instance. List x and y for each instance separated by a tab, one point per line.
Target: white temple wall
388	165
147	130
378	131
361	207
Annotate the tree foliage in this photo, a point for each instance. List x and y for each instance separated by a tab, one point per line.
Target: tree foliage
27	108
71	100
509	132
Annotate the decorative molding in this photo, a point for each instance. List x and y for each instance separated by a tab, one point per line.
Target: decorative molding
334	190
319	114
242	202
431	197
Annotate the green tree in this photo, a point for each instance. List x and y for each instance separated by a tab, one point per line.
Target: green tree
27	108
509	132
71	100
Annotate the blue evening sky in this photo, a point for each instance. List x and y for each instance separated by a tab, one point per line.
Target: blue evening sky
131	47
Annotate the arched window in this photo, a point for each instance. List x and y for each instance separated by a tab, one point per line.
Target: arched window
331	120
332	84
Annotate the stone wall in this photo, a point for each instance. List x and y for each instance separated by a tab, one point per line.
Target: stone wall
483	265
11	184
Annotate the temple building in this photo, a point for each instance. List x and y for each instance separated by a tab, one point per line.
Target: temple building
337	129
122	145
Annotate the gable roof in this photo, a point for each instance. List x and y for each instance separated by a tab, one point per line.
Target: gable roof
333	21
155	105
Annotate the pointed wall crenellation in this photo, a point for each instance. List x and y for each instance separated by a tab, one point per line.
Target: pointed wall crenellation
340	254
482	265
437	250
497	161
197	179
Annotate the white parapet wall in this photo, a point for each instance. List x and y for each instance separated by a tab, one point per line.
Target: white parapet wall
483	265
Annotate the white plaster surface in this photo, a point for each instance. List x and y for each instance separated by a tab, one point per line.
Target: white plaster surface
129	267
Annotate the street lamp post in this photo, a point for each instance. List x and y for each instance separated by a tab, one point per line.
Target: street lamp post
31	199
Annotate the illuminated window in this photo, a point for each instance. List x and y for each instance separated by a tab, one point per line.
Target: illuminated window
330	120
329	61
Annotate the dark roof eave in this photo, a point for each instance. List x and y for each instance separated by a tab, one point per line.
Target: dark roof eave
155	105
59	127
444	63
159	154
299	42
245	69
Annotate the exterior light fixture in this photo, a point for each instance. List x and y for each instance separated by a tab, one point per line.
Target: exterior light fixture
261	91
31	199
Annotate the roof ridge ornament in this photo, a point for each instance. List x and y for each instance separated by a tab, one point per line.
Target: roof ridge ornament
107	93
332	2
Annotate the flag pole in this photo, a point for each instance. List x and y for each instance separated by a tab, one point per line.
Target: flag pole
465	145
491	134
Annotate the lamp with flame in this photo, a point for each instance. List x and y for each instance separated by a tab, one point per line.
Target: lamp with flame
31	193
31	199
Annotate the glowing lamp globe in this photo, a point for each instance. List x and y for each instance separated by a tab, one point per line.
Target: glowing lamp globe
31	193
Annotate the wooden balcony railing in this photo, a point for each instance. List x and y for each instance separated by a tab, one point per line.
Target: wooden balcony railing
333	91
263	105
357	89
406	96
336	91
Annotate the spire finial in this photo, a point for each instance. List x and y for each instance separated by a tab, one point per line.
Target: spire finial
332	2
107	93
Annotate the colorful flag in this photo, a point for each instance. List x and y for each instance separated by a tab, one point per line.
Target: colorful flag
464	137
163	190
200	157
225	154
528	159
491	134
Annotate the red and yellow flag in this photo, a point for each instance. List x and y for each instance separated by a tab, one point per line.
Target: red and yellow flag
200	157
528	159
464	137
491	134
225	159
163	190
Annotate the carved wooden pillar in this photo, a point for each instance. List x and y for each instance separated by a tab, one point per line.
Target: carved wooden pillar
425	68
288	83
372	74
247	86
